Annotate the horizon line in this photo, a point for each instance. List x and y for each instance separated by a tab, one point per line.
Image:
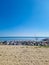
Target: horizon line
24	36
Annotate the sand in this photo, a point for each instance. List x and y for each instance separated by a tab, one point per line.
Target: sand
23	55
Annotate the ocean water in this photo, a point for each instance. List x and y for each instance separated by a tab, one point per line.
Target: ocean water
15	38
21	38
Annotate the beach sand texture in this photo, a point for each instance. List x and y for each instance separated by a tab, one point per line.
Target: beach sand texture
23	55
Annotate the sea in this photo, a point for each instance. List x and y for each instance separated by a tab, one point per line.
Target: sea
22	38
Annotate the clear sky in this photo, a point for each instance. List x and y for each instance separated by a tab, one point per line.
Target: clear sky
24	17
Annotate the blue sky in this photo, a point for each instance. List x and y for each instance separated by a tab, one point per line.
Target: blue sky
24	17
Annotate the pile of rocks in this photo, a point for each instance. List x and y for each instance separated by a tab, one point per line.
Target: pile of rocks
43	42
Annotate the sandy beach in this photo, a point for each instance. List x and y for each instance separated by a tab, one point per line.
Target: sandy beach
23	55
